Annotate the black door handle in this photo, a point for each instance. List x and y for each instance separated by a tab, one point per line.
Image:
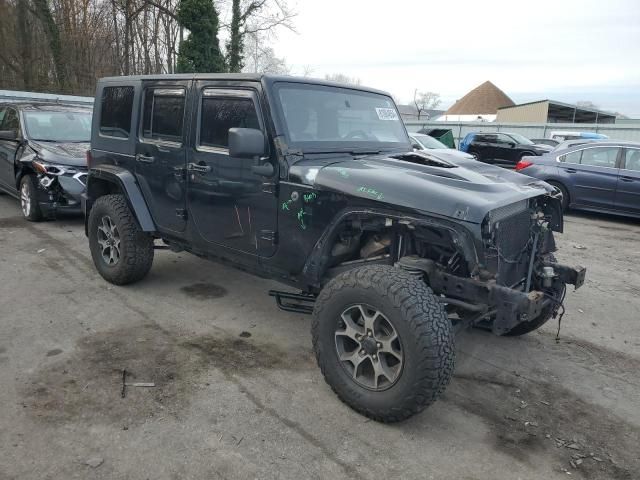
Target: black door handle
144	158
627	179
570	170
196	167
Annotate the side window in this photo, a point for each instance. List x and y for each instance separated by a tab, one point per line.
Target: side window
504	139
11	121
219	114
115	113
572	157
632	159
2	110
491	138
163	114
600	157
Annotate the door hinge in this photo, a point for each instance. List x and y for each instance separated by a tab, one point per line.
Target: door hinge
181	213
269	236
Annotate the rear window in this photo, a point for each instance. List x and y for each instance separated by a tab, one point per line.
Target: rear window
163	114
115	113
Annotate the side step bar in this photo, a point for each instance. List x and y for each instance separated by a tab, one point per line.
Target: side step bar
294	302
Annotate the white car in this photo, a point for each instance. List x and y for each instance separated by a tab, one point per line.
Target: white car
420	141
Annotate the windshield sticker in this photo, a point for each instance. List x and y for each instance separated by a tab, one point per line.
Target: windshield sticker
372	192
386	113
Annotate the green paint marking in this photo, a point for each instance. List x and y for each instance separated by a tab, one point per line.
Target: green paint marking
285	205
301	215
372	192
309	197
343	173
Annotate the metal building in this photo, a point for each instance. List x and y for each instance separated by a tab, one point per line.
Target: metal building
550	111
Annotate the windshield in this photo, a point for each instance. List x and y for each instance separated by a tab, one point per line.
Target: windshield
58	126
326	118
428	141
520	139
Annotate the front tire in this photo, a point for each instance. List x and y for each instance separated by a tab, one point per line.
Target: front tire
29	199
383	342
121	251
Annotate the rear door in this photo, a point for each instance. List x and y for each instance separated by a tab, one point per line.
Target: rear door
229	204
593	175
160	152
628	191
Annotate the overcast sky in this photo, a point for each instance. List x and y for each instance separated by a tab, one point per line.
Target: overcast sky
566	50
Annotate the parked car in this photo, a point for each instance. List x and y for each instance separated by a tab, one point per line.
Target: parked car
562	135
502	149
572	143
428	144
545	141
43	156
601	176
315	184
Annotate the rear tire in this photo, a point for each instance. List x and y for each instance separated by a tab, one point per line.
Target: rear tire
405	364
121	251
565	194
29	198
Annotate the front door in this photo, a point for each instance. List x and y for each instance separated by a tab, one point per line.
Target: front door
8	149
628	191
593	174
229	204
160	153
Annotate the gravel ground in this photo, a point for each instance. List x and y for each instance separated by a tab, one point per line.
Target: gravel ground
238	394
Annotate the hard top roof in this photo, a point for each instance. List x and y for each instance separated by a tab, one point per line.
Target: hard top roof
255	77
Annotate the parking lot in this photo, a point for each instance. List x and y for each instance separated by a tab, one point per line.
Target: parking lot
237	392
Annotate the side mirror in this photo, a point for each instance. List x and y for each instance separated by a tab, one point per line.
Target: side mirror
9	135
246	143
416	146
512	145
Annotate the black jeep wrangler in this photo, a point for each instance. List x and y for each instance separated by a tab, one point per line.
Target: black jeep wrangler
316	185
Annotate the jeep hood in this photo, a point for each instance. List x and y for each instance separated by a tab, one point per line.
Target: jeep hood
461	189
62	153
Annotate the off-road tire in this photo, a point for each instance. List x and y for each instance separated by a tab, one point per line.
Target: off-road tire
420	321
565	193
136	246
29	187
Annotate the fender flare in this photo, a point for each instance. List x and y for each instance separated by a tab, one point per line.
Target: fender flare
127	183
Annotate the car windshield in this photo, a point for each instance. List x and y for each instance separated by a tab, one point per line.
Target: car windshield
428	141
324	118
520	139
58	126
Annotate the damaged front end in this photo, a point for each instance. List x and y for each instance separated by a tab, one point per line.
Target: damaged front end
517	279
59	187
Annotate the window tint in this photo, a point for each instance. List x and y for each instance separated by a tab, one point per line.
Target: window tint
163	114
219	114
632	159
115	115
600	157
11	121
504	139
573	157
2	110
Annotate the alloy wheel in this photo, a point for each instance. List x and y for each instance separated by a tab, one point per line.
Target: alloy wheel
109	241
25	199
368	347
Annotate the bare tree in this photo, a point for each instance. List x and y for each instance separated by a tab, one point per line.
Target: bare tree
425	101
342	78
261	58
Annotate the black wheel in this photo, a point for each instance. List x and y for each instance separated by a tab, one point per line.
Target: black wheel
29	199
383	342
121	252
563	190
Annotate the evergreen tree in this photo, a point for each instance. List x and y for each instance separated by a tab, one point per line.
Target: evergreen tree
200	52
235	43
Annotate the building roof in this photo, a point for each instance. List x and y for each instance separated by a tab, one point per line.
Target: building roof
561	107
485	99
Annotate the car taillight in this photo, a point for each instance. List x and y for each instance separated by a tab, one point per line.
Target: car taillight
89	158
522	164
